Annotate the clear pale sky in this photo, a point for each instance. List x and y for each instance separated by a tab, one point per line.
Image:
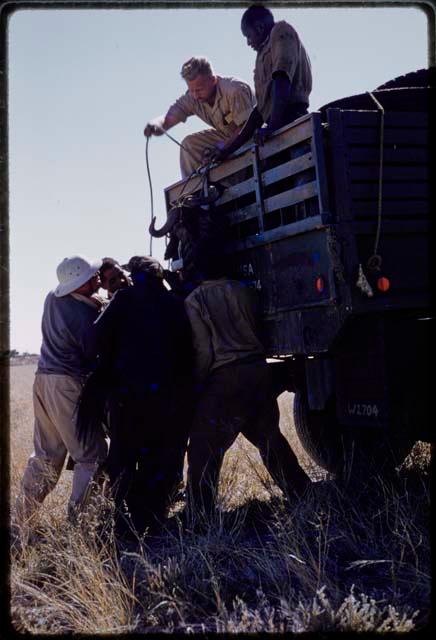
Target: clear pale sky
82	85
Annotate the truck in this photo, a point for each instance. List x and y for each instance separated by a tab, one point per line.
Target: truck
329	220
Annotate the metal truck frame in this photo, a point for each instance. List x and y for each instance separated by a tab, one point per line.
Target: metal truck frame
329	220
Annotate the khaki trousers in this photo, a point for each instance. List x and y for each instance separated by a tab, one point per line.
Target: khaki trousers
191	157
54	400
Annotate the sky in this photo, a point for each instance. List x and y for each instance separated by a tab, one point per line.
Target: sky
82	86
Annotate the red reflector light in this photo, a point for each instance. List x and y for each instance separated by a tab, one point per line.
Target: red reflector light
319	284
383	284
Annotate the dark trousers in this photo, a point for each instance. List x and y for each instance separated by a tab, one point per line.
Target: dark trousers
238	398
146	454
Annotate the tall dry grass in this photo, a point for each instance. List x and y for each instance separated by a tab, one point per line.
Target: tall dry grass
337	560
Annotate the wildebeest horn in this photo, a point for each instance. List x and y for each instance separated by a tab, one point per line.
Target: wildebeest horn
169	224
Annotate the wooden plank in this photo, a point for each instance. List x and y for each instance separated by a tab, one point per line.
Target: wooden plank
286	139
232	165
183	188
237	191
370	172
279	201
290	197
397	227
391	136
398	189
287	169
406	119
245	213
406	155
285	231
394	208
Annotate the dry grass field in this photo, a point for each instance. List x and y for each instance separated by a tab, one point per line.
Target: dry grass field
336	561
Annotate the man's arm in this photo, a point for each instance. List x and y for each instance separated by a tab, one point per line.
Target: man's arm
254	121
178	112
281	100
157	126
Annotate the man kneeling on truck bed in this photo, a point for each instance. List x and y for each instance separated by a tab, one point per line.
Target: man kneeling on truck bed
236	394
223	103
282	76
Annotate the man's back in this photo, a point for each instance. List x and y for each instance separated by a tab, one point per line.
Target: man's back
67	336
223	316
145	334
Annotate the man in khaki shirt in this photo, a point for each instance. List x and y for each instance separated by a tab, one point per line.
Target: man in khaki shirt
236	393
223	103
282	76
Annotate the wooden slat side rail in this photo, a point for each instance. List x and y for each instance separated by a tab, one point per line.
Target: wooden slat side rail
369	190
183	188
399	155
395	119
295	228
286	139
404	173
369	135
279	201
395	208
288	169
288	198
232	165
236	191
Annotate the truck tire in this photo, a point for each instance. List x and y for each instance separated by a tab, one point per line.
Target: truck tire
348	453
318	433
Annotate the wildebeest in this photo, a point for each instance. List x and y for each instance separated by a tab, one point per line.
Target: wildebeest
194	228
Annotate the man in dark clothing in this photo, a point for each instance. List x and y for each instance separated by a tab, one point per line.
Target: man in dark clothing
237	395
282	76
144	343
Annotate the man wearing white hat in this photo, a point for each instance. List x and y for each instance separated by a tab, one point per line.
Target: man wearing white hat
67	357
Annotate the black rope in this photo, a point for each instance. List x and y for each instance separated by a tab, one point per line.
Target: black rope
151	192
374	262
203	179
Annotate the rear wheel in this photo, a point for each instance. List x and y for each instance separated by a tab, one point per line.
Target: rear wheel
348	452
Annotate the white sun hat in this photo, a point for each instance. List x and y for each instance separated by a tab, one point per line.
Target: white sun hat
73	272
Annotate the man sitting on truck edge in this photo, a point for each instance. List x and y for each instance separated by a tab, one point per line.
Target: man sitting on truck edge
68	355
236	392
282	76
223	103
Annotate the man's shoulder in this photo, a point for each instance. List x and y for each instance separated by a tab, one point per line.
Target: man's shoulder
230	84
282	29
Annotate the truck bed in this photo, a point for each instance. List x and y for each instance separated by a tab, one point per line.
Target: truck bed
303	214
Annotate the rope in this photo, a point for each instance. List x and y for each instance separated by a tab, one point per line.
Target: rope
181	198
179	144
374	262
151	192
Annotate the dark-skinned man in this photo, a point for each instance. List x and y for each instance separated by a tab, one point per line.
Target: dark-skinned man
223	103
282	77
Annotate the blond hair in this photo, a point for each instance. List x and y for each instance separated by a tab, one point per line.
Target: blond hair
195	67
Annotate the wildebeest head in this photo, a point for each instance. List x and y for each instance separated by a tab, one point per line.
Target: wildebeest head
190	225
